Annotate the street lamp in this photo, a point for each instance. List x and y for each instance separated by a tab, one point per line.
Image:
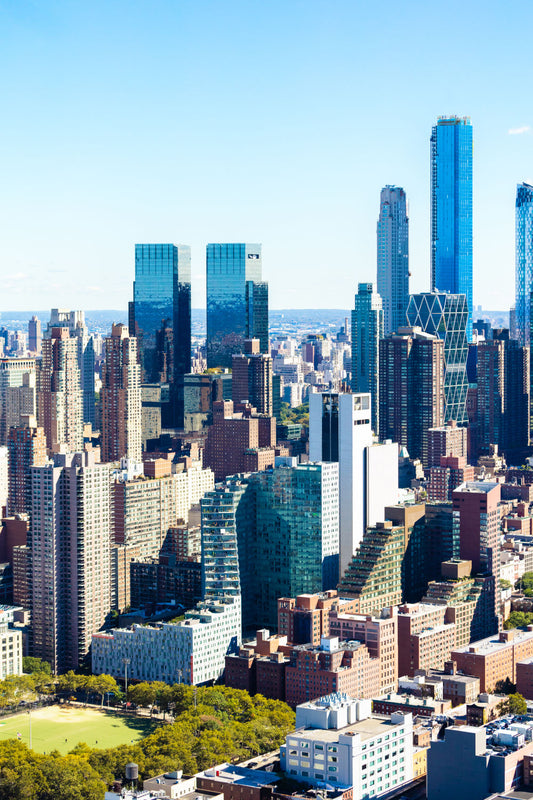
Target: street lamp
126	661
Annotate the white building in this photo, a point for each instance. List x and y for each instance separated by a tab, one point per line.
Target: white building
344	746
192	651
10	649
340	430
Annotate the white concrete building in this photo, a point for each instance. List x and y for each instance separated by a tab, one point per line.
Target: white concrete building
10	649
340	430
346	747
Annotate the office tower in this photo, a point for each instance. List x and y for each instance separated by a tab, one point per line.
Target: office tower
27	448
160	318
121	398
237	301
293	545
367	330
70	555
239	440
339	430
60	392
18	395
4	479
411	400
393	257
446	316
451	210
476	527
251	378
35	336
74	322
447	440
503	384
524	261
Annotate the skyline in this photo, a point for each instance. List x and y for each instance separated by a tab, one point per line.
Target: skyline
100	158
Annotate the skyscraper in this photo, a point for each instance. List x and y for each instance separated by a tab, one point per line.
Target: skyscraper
35	336
524	261
393	257
411	389
27	448
74	322
237	301
60	393
339	430
252	378
367	330
160	316
451	209
446	316
121	398
18	394
70	552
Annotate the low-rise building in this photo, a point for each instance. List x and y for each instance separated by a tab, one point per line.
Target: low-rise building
408	704
471	763
342	745
11	650
494	659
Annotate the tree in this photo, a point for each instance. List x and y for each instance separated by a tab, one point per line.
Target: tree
518	619
70	682
142	694
105	684
514	704
30	664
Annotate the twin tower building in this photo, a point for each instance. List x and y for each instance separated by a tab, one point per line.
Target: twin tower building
160	314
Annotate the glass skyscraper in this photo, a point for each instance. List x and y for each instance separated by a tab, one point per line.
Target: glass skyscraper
393	258
367	330
451	209
446	315
237	301
160	315
524	261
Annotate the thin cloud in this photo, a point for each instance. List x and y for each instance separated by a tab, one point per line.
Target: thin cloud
518	131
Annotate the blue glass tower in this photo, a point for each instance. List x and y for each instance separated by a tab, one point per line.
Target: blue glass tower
237	301
524	261
451	209
393	258
160	314
367	330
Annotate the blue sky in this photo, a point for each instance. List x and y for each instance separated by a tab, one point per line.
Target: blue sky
230	120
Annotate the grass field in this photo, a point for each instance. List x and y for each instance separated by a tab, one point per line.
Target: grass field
63	727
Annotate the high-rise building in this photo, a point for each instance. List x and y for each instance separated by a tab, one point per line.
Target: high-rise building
411	400
74	322
121	398
27	448
251	380
503	385
70	556
35	336
60	392
524	261
367	330
447	440
18	394
160	318
446	316
293	547
393	257
237	301
451	210
339	430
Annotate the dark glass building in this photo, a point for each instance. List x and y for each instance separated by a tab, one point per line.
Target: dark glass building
237	301
160	315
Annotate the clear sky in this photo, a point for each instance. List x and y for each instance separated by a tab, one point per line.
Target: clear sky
273	121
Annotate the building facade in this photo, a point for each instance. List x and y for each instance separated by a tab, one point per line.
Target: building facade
121	398
60	392
367	330
237	301
451	210
524	261
393	257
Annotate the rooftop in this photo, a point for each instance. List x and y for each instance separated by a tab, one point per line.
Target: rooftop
367	729
493	643
234	774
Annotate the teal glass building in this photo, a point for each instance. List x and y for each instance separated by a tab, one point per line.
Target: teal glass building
446	316
524	261
237	301
367	330
393	258
451	209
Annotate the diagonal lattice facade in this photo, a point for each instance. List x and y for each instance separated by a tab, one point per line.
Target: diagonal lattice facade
446	316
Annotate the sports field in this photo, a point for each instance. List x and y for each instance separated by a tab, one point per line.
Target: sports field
63	727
